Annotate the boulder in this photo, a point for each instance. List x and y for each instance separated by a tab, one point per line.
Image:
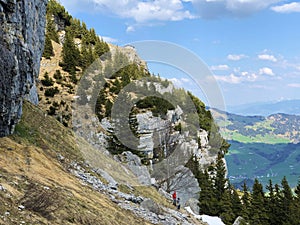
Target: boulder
151	206
193	204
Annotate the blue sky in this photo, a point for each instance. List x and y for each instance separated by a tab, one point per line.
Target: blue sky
251	46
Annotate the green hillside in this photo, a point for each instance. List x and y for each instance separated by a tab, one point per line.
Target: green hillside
261	147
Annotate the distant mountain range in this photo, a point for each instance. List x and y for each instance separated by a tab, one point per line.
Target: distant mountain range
261	147
291	107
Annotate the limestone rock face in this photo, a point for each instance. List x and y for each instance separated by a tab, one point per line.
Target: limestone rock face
22	28
135	165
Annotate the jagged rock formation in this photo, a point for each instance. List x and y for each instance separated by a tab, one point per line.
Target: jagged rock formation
179	178
21	46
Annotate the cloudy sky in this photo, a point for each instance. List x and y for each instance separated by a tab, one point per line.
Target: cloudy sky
251	46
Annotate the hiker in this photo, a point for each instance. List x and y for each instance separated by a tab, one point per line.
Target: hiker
174	198
178	203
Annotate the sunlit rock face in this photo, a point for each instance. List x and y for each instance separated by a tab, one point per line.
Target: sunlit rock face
22	28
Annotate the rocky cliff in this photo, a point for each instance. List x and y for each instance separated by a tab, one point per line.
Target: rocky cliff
21	45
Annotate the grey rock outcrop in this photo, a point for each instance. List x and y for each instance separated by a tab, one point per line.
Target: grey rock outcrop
22	28
151	206
193	204
134	163
239	220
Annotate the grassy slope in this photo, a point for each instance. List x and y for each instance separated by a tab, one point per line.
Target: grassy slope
249	129
29	157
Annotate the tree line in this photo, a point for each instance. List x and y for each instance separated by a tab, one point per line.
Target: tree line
75	56
278	205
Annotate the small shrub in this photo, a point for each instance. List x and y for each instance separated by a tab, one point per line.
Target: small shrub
47	81
51	110
42	200
57	75
51	92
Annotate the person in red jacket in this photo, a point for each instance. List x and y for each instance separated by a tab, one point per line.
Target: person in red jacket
174	196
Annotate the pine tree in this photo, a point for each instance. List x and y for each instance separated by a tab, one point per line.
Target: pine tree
258	213
48	49
271	205
245	202
71	55
220	180
51	30
101	47
226	211
294	216
207	200
286	198
235	202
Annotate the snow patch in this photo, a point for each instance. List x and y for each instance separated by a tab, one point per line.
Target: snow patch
211	220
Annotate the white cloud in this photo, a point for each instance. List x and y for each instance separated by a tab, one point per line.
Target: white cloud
267	57
266	71
244	73
179	82
172	10
287	8
211	9
159	10
232	79
109	39
294	85
130	29
236	57
220	67
236	79
139	10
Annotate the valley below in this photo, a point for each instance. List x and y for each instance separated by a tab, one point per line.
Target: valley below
261	147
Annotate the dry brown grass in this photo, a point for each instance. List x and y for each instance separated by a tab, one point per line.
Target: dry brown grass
29	158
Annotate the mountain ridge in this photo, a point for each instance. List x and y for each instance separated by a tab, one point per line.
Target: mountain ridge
291	107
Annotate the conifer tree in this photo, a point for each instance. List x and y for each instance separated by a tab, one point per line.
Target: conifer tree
207	199
70	54
220	180
271	205
101	47
258	213
235	202
51	30
245	202
294	216
286	198
225	206
48	49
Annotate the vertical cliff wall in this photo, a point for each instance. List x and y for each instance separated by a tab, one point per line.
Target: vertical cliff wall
22	27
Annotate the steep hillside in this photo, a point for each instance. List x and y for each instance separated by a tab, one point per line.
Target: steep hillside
164	122
35	167
134	139
109	143
45	181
